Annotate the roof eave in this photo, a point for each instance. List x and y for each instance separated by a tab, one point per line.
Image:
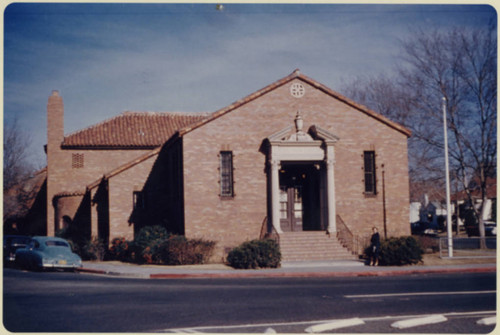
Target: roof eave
109	147
295	75
123	167
356	105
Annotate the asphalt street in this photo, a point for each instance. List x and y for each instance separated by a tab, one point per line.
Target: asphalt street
74	302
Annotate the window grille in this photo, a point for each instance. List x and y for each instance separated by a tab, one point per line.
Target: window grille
370	172
226	174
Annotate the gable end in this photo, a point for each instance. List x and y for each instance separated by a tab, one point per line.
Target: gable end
295	75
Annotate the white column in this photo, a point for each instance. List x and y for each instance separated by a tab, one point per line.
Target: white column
330	178
275	195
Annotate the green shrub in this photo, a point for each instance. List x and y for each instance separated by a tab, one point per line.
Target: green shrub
119	250
153	245
94	249
177	250
145	245
151	254
149	234
240	258
400	251
255	254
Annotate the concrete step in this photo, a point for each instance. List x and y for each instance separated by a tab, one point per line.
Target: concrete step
310	246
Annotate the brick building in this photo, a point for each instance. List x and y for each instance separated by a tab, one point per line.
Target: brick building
293	159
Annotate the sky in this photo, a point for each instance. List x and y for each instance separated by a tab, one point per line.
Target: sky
105	59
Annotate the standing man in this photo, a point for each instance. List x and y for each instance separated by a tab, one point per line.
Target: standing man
374	247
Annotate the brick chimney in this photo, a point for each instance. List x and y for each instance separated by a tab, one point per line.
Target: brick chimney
55	121
55	136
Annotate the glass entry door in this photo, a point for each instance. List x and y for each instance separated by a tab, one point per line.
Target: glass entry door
300	197
291	209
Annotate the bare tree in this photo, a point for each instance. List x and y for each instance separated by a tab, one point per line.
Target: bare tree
459	65
16	170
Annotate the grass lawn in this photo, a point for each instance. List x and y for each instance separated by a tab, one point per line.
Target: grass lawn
461	257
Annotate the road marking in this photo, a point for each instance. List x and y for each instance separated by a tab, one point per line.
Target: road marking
403	324
305	323
254	325
334	325
384	295
186	331
488	321
450	314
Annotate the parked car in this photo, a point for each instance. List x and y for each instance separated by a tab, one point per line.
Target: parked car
490	229
47	252
10	244
423	228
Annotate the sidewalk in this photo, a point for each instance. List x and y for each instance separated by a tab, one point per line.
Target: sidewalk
287	269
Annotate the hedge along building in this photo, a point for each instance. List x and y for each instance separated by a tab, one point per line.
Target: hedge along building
294	159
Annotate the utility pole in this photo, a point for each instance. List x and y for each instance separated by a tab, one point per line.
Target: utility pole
383	202
447	168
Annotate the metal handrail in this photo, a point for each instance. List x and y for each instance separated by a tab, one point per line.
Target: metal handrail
265	234
353	243
344	234
263	228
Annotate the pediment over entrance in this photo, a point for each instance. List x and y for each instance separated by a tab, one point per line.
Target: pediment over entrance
315	133
293	144
322	134
297	135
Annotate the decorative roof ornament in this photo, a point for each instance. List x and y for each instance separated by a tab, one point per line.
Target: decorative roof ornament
299	135
299	122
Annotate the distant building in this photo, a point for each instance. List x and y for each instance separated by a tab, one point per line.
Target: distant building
432	209
294	158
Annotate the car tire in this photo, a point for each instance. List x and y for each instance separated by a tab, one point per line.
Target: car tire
17	263
34	266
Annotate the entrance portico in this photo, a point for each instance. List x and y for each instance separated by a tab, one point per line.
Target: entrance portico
302	180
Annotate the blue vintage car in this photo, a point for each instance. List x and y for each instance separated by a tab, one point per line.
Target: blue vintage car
10	244
47	252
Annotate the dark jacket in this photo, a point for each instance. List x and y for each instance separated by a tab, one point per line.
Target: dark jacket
375	240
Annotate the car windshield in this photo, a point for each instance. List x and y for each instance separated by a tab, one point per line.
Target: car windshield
56	244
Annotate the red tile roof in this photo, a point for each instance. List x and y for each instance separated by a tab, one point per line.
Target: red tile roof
132	130
475	190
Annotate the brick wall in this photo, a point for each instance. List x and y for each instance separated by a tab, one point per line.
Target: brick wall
243	130
69	171
120	191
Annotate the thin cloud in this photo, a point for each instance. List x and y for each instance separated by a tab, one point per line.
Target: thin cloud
106	59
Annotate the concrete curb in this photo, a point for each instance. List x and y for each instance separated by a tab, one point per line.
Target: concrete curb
299	274
323	274
115	273
99	272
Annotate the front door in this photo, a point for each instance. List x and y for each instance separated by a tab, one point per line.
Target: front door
300	197
291	207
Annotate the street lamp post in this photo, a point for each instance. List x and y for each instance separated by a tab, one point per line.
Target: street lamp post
447	170
383	202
